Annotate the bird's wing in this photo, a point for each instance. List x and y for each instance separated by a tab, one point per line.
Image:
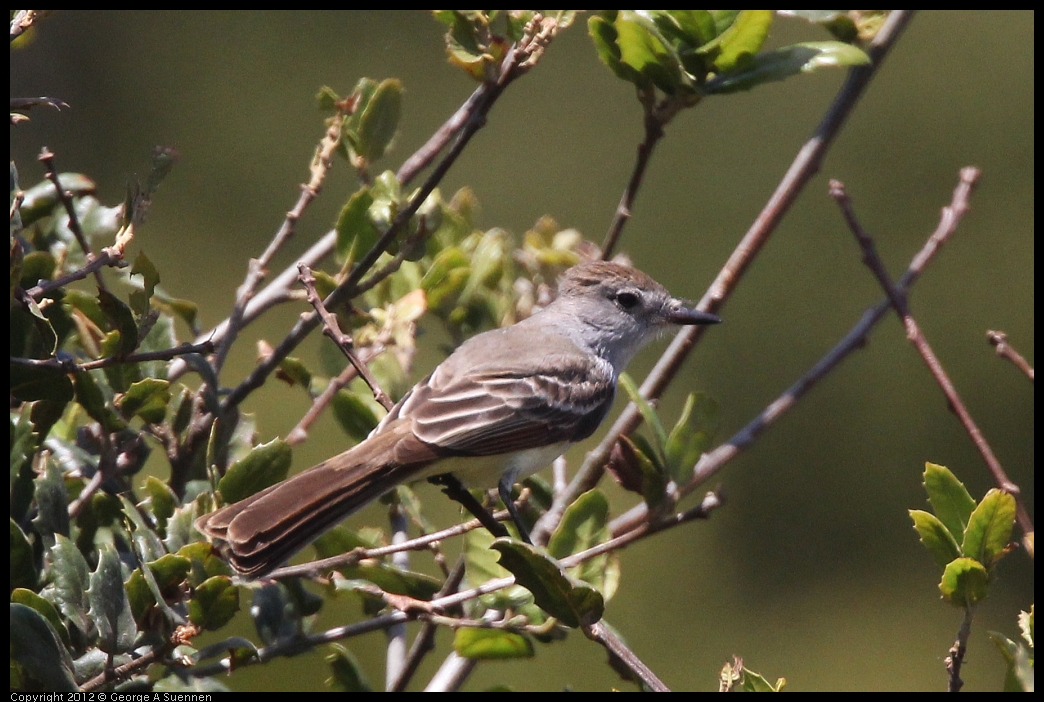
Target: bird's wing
502	409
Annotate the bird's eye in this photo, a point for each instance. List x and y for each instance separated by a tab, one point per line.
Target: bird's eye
627	300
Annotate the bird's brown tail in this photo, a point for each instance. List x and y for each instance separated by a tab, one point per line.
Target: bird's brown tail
267	528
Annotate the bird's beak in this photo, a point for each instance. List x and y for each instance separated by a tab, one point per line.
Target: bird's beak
680	314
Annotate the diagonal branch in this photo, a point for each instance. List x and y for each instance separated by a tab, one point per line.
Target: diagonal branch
805	165
712	462
897	298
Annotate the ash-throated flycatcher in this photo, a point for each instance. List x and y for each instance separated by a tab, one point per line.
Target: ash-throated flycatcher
503	405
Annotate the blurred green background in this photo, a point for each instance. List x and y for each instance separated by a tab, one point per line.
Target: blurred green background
812	571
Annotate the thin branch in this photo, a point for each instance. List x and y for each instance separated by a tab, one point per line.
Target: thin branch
653	134
955	660
69	366
623	656
257	271
425	639
47	159
278	290
805	165
299	433
517	61
153	655
395	658
897	297
420	543
712	462
16	204
451	674
1007	351
344	341
108	257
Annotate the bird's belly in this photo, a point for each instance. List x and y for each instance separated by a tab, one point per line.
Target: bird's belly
485	471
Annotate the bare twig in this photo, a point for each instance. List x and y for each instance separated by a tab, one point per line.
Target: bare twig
108	257
47	159
278	291
425	640
653	134
1007	351
299	433
69	366
897	297
395	659
805	165
153	655
343	341
257	270
955	660
712	462
622	655
441	603
420	543
16	204
516	62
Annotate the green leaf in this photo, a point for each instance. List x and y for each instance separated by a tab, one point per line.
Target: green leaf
654	473
44	608
170	572
950	500
935	537
354	414
491	644
163	499
52	502
346	675
214	602
110	610
42	198
146	540
647	412
644	50
1019	675
121	319
70	580
584	525
755	682
742	40
355	232
379	120
397	581
92	396
263	466
690	437
139	299
42	326
788	61
36	266
572	603
293	371
36	648
964	582
605	37
148	398
327	99
989	528
36	384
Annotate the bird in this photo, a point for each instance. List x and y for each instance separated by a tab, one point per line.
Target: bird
504	404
